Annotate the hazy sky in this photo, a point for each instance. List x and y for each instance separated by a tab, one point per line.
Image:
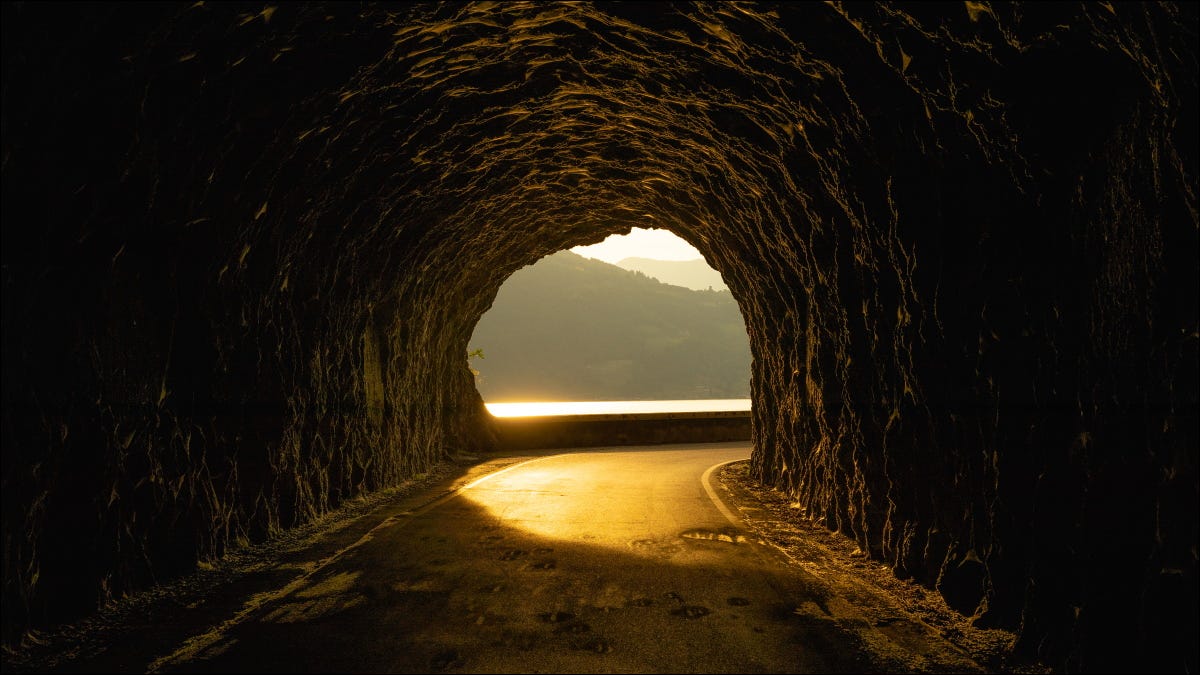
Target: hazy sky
640	243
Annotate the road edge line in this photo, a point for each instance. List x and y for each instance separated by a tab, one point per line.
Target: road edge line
706	480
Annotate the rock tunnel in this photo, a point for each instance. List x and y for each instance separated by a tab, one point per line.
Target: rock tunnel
244	247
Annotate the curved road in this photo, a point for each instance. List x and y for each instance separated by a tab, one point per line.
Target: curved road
606	560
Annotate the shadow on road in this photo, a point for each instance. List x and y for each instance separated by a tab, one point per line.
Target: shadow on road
426	582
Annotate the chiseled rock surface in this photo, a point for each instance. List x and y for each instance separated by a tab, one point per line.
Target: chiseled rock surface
244	249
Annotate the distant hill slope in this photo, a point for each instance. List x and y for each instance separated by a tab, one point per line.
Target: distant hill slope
694	274
574	328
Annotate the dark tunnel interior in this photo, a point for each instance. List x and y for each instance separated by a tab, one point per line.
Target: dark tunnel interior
245	245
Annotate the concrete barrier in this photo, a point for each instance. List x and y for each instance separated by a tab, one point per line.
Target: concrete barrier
577	431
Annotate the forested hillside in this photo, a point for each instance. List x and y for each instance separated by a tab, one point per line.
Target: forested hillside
574	328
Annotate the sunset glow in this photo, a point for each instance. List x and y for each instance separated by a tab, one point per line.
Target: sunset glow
640	243
547	408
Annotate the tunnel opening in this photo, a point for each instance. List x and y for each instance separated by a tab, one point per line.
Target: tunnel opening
632	319
629	344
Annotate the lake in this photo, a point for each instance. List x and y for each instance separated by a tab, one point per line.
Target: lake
542	408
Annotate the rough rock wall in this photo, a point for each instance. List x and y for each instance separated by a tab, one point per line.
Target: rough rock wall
244	247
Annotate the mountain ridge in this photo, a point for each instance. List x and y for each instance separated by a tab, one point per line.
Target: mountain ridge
576	328
694	274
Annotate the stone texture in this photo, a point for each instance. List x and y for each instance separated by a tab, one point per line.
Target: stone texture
244	247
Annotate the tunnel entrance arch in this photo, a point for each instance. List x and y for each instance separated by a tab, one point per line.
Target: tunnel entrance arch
961	240
621	342
598	329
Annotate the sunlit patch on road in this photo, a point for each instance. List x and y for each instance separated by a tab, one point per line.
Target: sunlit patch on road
727	535
663	548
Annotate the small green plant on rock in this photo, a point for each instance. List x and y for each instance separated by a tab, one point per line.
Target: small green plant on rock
472	354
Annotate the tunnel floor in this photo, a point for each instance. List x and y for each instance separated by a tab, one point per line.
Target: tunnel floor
133	635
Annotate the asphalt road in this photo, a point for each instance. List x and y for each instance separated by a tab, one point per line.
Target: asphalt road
608	560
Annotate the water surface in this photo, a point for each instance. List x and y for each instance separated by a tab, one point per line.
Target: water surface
542	408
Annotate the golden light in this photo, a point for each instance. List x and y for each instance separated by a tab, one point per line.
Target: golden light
639	510
551	408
